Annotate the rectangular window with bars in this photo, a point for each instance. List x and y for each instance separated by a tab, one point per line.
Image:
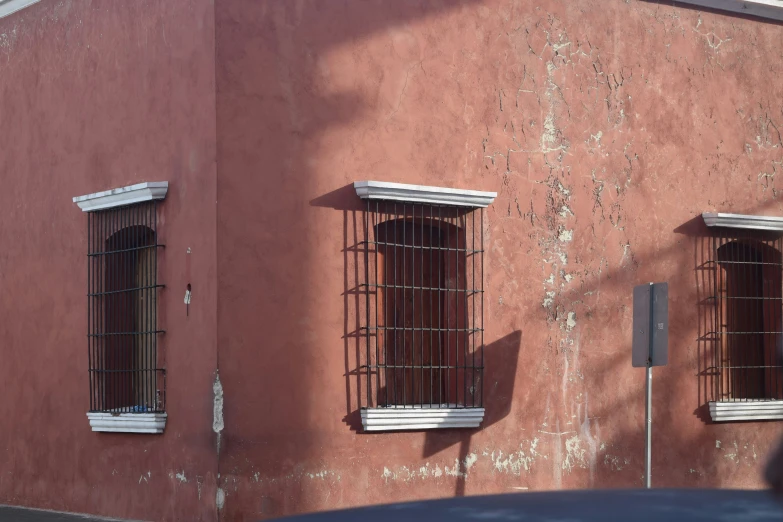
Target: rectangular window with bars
126	373
423	315
746	268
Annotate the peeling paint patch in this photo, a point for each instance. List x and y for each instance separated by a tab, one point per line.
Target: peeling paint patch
565	235
387	474
596	138
217	408
470	460
571	321
455	471
733	455
575	454
548	300
614	462
220	498
181	476
322	474
515	462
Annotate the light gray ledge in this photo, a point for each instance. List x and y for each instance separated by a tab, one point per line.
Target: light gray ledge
726	411
713	219
122	196
423	194
127	422
772	9
415	418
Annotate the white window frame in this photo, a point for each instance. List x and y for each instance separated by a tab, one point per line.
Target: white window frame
118	197
745	410
421	418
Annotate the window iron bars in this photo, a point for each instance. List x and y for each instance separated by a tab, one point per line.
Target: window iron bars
423	305
747	308
125	366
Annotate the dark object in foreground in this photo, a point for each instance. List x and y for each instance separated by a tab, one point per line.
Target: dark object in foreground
670	505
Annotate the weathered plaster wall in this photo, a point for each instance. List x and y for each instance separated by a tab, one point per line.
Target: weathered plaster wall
98	95
605	126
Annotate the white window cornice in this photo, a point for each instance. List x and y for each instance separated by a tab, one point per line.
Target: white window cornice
423	194
8	7
118	197
717	219
771	9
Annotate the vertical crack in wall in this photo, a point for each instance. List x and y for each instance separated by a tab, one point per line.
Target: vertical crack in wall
217	409
217	427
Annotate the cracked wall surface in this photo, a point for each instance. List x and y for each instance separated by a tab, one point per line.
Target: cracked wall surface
604	127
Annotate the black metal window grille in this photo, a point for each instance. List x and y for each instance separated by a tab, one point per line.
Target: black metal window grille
748	305
423	306
125	366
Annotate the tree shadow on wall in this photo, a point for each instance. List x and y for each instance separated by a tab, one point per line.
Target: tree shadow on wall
619	460
275	112
611	432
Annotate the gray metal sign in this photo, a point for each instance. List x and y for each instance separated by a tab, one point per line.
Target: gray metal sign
650	325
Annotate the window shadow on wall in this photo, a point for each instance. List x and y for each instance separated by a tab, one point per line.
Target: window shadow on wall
500	370
598	408
737	280
499	358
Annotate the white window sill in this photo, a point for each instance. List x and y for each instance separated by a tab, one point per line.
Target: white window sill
8	7
127	422
751	410
772	9
415	418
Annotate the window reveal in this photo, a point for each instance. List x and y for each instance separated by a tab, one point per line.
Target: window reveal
748	309
125	366
423	306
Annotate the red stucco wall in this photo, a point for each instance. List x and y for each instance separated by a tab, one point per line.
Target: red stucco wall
94	96
606	127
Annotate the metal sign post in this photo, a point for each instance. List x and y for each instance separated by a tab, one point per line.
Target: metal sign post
650	348
648	426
